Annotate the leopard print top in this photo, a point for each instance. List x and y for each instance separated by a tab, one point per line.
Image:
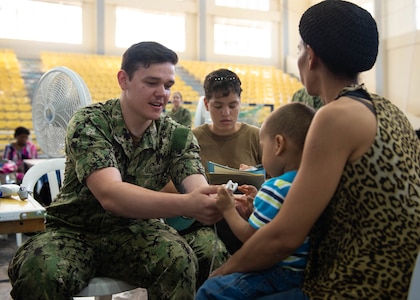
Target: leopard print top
365	243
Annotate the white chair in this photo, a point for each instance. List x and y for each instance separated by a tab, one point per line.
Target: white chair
202	116
32	176
102	288
414	291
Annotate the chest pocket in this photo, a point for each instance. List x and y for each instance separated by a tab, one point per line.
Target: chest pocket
149	168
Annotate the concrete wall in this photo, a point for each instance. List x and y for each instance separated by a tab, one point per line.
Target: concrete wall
395	74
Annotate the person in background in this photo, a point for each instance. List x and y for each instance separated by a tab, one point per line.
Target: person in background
302	96
20	150
106	220
222	89
282	137
178	112
226	140
357	192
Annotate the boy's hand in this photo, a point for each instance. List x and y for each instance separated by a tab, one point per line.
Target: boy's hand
225	199
249	190
245	203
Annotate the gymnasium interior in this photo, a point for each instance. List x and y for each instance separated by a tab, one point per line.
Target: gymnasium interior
257	39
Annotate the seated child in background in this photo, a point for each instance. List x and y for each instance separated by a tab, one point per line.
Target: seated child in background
20	150
282	138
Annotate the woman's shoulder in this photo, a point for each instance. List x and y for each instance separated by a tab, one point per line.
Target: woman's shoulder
250	126
201	129
249	129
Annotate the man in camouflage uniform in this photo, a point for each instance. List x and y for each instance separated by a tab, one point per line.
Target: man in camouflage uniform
302	96
105	220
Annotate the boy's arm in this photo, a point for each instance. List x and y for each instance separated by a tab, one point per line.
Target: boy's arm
239	226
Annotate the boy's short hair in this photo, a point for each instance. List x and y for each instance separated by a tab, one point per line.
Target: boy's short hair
291	120
144	54
222	81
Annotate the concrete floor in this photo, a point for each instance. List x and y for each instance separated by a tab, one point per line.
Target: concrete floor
7	249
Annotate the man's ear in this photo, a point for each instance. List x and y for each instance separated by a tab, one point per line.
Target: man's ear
122	79
280	144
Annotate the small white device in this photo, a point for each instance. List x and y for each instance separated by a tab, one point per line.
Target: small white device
231	186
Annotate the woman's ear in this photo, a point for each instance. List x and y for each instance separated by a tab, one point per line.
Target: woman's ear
206	103
312	57
280	144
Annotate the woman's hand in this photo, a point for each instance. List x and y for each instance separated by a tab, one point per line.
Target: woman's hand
217	272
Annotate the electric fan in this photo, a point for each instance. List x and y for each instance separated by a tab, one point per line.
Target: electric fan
58	95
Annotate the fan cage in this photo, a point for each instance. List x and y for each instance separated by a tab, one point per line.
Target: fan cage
58	95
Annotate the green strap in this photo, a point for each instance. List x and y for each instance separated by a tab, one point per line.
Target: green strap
179	138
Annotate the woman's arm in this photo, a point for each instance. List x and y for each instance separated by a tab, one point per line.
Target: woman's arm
340	132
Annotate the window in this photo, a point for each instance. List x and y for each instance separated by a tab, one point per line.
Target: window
417	14
263	5
369	7
133	26
242	37
41	21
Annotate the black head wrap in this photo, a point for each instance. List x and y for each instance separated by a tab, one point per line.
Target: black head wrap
342	34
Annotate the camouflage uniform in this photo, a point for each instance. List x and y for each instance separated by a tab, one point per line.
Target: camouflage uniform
83	240
302	96
182	116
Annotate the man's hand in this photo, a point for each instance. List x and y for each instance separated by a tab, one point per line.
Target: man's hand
201	205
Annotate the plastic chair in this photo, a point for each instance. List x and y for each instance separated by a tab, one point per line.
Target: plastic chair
102	288
31	177
414	291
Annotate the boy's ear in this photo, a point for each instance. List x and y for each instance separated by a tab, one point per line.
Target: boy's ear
280	144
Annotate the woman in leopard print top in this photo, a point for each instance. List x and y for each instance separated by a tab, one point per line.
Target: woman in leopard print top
357	192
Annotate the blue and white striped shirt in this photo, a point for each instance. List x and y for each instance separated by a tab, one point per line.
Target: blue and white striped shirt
267	204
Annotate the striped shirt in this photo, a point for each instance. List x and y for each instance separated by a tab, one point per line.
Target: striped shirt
267	204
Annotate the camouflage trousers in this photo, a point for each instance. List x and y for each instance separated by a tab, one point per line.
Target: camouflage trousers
58	263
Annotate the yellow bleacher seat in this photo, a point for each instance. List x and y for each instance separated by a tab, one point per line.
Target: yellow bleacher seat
260	84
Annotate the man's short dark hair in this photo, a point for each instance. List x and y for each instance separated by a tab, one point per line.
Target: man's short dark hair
144	54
